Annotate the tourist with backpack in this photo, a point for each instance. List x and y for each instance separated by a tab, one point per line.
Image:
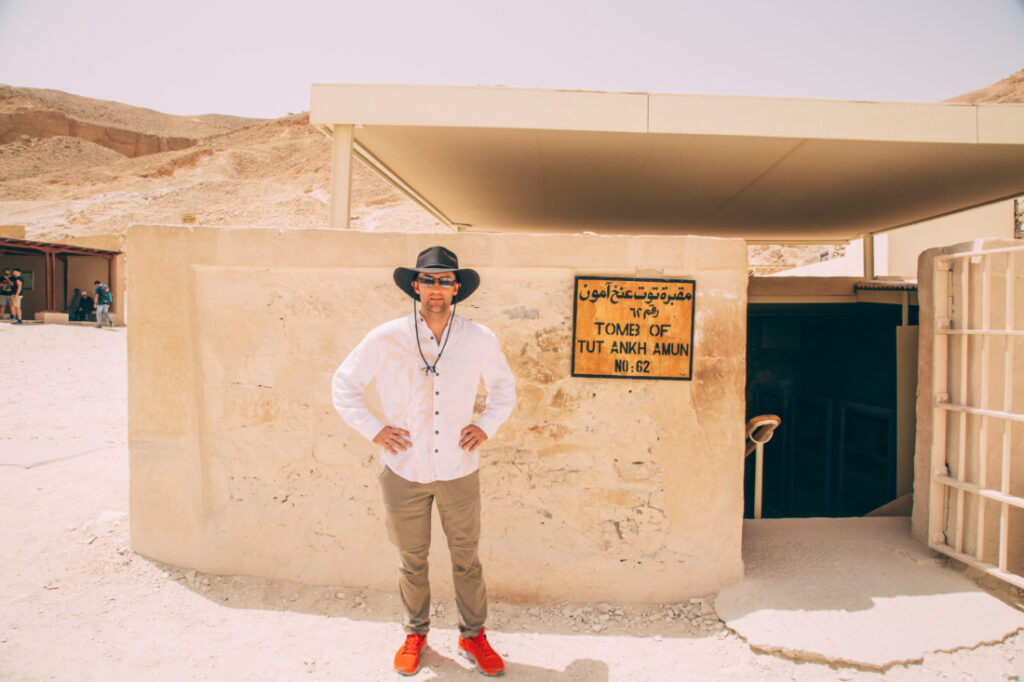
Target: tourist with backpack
103	300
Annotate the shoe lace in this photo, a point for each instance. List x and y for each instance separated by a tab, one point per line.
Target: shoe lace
412	644
483	646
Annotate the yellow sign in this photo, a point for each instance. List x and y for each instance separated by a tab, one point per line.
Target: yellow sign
633	328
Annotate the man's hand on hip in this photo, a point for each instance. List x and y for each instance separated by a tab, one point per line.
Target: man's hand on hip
471	437
393	439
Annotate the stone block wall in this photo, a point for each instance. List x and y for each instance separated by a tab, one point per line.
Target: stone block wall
593	489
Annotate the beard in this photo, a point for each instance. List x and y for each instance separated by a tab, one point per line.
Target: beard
436	306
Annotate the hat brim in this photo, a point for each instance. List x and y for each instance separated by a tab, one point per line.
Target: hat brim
468	279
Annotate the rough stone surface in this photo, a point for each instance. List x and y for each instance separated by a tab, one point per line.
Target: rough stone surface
595	488
856	591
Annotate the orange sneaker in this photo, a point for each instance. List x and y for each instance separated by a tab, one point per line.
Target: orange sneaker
407	660
478	650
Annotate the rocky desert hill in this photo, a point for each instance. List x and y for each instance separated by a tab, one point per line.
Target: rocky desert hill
1010	90
71	166
130	131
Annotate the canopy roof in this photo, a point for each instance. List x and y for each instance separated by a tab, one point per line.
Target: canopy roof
497	159
25	246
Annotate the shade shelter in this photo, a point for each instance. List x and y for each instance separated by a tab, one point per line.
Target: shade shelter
55	269
509	160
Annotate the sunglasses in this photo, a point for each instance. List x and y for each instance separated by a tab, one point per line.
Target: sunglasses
428	281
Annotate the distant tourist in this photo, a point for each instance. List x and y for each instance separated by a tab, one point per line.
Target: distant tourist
103	300
16	295
6	289
72	309
85	307
428	447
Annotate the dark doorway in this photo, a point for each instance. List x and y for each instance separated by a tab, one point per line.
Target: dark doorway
829	371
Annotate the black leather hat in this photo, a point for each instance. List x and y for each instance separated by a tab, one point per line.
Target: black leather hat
438	259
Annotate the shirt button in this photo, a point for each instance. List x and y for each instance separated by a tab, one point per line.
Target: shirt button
437	432
436	412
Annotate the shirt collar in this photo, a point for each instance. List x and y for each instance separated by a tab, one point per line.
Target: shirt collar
419	319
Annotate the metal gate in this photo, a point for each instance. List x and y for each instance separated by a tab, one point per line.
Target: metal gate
976	502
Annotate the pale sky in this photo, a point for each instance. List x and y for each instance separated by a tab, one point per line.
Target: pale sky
258	58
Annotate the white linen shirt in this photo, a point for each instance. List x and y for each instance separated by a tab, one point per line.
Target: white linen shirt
432	408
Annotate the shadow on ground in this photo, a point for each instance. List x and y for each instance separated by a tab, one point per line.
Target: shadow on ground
447	668
691	619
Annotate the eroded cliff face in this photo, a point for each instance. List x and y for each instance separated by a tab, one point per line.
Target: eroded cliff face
117	115
32	114
72	166
18	125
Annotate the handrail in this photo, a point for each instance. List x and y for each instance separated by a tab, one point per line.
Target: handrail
759	431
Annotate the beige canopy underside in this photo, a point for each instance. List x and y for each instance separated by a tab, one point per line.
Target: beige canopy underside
506	160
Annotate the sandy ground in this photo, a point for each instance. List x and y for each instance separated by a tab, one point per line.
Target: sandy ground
77	604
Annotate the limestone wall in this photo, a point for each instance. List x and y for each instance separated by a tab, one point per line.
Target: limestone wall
594	488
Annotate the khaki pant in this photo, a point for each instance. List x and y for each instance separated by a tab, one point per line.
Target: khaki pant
408	508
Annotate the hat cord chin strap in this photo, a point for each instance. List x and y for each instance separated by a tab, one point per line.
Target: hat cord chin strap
428	368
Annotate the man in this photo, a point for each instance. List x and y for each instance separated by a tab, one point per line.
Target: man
428	367
72	309
103	301
85	307
6	289
16	295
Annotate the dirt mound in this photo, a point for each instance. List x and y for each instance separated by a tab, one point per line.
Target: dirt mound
1010	90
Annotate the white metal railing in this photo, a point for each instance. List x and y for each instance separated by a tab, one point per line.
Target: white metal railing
759	431
956	367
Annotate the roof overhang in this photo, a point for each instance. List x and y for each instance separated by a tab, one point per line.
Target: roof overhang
25	246
497	159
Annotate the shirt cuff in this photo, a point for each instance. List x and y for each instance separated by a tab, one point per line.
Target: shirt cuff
370	427
489	425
